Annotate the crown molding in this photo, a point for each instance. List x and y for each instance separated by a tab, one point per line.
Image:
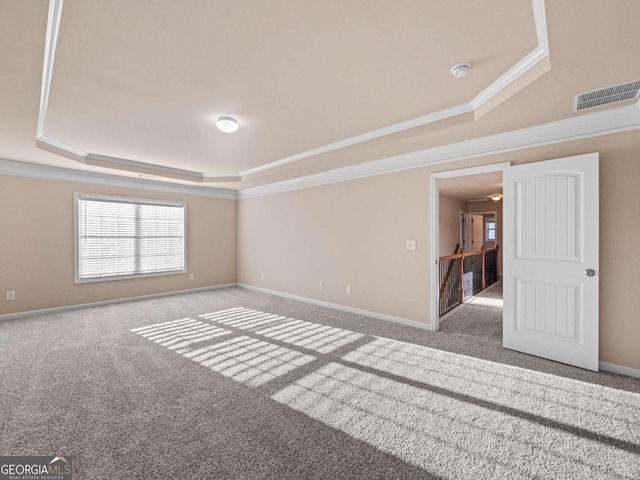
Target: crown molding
584	126
47	172
516	72
96	160
365	137
576	128
51	41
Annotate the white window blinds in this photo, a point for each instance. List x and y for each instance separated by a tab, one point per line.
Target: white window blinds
118	237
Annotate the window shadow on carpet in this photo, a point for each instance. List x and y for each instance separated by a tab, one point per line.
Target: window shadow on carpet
451	415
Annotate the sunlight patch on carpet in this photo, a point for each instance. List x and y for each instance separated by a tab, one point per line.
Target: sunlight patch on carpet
180	334
308	335
487	302
249	361
455	416
594	408
446	436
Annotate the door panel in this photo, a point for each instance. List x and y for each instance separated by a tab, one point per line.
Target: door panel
550	239
478	232
549	309
548	208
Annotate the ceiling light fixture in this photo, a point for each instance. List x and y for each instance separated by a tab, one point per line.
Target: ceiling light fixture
496	197
460	70
227	124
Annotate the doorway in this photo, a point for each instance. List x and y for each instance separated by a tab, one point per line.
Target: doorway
551	288
469	232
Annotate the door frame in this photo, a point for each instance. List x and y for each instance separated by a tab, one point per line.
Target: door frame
435	226
465	238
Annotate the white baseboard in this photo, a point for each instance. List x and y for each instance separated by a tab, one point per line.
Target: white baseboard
336	306
620	369
32	313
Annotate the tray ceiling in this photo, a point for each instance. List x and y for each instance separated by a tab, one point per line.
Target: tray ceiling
134	88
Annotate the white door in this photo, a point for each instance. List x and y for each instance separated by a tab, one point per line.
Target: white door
478	232
551	260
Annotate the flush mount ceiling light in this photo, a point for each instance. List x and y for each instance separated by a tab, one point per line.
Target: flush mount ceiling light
496	197
227	124
460	70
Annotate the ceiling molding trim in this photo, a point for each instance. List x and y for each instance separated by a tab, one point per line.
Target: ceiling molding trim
540	21
47	172
172	172
523	66
518	70
53	28
221	177
56	145
133	165
60	148
365	137
576	128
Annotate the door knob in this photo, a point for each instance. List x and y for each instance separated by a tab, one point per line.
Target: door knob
590	272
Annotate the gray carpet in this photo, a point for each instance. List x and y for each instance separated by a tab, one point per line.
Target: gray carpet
480	317
237	384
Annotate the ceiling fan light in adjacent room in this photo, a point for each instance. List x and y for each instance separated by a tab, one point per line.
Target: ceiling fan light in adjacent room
227	124
496	197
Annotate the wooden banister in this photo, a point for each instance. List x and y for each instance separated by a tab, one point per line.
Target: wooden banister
461	283
459	254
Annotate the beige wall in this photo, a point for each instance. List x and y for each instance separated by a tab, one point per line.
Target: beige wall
449	209
349	233
36	239
353	233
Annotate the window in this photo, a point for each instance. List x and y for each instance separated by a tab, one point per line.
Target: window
125	238
491	230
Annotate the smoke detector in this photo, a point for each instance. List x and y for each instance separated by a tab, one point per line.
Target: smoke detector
460	70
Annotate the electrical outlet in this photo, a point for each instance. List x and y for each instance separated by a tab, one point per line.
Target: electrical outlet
11	295
348	290
321	285
192	276
411	245
262	276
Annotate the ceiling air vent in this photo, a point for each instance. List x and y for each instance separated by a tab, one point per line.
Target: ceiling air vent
605	96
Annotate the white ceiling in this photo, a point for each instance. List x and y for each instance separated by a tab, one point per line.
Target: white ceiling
471	187
133	88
